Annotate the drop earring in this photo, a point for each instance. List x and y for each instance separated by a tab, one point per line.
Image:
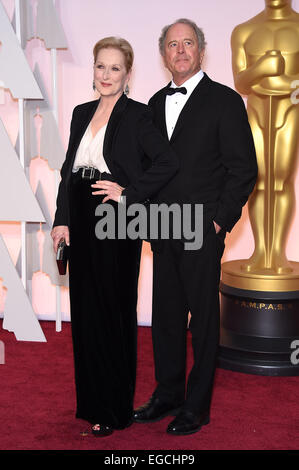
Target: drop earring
127	90
93	86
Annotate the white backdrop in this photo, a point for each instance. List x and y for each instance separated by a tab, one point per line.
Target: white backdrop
140	22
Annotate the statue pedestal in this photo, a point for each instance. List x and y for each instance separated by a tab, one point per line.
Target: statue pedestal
259	321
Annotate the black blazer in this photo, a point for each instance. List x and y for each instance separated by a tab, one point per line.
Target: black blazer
137	155
214	143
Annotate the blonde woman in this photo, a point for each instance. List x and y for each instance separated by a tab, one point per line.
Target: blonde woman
114	152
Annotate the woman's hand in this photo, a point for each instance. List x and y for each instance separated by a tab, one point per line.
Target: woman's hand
59	232
112	190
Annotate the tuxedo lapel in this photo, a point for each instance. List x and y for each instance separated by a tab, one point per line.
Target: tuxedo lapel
193	105
111	130
160	117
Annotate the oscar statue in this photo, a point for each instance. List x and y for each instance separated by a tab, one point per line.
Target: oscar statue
260	296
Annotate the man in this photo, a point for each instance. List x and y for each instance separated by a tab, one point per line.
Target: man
207	126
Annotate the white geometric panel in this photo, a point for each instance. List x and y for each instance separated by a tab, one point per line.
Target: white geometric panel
14	69
48	26
51	147
42	201
45	101
50	143
17	199
2	96
19	316
30	132
33	263
26	19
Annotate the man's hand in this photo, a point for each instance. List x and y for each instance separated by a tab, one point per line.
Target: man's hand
59	232
112	190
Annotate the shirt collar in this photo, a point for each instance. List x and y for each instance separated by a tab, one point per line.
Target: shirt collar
191	83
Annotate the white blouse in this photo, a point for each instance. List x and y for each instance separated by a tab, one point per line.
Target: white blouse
90	151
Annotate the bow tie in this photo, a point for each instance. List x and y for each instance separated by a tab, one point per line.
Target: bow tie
171	91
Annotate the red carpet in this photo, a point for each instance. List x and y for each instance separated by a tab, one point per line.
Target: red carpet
37	404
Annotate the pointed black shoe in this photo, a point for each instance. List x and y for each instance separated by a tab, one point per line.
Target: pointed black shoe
154	410
187	422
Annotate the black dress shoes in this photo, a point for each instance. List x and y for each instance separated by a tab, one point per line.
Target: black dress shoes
154	410
187	422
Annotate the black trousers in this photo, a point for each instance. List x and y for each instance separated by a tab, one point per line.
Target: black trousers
183	282
103	297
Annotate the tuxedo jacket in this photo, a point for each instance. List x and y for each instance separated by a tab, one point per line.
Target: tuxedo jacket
139	158
213	141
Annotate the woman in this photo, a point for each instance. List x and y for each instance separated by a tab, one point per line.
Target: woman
114	151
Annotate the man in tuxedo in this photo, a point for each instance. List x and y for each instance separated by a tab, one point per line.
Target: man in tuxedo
207	126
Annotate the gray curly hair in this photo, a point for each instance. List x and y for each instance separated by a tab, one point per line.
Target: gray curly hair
199	34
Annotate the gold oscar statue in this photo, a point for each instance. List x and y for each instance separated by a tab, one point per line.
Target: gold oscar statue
260	295
265	60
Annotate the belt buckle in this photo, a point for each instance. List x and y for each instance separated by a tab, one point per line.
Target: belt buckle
91	174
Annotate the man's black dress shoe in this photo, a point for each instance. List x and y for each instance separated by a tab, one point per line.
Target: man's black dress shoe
154	410
187	422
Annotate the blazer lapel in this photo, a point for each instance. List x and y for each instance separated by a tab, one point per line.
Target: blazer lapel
80	127
160	117
85	119
111	129
193	103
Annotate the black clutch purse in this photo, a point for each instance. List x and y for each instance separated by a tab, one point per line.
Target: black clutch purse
62	256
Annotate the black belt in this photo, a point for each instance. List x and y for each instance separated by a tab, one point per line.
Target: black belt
90	173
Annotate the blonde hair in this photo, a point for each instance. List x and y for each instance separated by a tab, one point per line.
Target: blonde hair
116	43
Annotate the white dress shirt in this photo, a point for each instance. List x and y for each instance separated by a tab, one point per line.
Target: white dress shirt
90	151
175	103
